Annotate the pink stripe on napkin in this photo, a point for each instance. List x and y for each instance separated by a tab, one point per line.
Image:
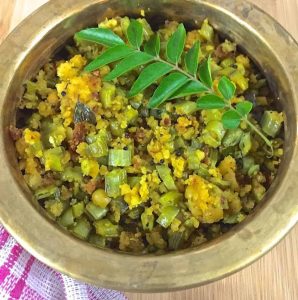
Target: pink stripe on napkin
24	277
13	256
17	290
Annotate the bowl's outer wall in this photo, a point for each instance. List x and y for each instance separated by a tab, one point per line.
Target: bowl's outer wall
29	46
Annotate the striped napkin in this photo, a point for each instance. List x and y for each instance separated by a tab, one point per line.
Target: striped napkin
24	277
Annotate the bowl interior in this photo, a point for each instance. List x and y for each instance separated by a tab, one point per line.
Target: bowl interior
247	241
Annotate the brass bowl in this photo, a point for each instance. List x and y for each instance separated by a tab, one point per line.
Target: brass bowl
30	45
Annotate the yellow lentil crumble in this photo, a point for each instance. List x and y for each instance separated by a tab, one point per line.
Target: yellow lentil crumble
120	175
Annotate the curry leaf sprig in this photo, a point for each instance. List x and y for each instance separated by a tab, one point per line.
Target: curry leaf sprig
175	81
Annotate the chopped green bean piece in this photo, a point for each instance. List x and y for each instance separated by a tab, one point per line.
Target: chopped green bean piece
193	161
175	240
131	115
82	229
191	223
80	195
34	121
67	218
147	219
213	134
78	209
72	174
103	161
249	166
46	192
258	190
97	240
240	80
98	146
196	144
106	228
232	137
96	212
53	134
135	212
186	107
119	158
107	94
179	142
167	216
262	101
121	204
113	180
227	62
165	174
253	170
245	144
134	180
53	159
118	208
234	219
226	71
222	184
207	31
271	122
170	198
203	171
213	157
247	162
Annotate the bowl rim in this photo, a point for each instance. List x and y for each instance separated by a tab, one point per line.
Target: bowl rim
61	255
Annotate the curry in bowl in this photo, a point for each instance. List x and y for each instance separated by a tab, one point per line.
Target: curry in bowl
148	140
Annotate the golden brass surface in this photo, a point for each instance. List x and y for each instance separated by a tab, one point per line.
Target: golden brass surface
47	29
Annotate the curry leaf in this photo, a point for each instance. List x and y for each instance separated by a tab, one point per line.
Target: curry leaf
205	73
231	119
190	88
176	44
177	84
227	88
148	76
111	55
129	63
168	86
83	113
101	36
244	108
211	102
135	34
153	45
192	59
